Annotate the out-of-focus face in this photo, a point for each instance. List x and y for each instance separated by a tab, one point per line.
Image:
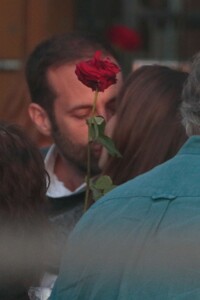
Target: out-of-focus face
72	106
109	132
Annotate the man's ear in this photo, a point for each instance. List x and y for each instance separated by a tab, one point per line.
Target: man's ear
40	118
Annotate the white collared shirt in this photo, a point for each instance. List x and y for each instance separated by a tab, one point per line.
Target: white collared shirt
57	187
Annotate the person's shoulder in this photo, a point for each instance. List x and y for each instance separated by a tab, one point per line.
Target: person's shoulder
143	186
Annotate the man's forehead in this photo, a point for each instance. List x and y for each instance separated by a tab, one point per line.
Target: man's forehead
78	60
64	80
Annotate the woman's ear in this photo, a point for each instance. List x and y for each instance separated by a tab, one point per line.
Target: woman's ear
40	118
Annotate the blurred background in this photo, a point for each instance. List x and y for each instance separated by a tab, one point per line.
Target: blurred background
141	31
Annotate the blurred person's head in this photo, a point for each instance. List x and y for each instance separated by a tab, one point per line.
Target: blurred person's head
190	108
147	127
60	102
23	222
22	174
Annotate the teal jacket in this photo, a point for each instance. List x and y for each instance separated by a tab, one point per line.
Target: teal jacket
140	241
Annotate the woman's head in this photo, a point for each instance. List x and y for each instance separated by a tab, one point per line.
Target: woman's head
148	128
22	174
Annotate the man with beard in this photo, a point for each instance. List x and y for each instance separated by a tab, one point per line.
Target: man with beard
60	106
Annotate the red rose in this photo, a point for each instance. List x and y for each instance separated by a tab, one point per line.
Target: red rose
97	73
124	37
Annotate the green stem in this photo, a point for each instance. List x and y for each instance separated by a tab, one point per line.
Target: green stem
87	193
95	103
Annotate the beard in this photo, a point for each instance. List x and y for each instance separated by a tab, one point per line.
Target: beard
76	154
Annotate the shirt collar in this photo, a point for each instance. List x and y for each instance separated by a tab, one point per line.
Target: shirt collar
57	187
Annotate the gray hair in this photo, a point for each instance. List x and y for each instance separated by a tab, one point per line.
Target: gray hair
190	107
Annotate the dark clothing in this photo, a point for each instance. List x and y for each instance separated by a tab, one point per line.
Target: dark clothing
64	213
10	292
58	206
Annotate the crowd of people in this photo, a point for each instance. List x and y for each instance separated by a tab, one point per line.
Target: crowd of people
141	240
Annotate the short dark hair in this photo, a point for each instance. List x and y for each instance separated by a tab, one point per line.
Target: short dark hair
148	130
54	52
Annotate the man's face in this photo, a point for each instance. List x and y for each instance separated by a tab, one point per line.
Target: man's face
72	106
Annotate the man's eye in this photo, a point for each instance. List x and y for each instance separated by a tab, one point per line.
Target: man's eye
82	114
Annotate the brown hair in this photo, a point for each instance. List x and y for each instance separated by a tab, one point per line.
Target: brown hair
23	222
54	52
148	129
